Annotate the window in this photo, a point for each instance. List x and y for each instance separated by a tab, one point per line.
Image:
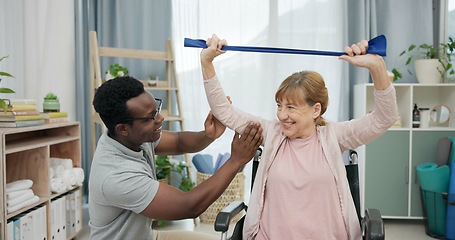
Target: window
451	18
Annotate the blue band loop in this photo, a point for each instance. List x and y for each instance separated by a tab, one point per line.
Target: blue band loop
377	45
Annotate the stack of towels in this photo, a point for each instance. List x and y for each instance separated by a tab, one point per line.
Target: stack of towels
63	176
19	194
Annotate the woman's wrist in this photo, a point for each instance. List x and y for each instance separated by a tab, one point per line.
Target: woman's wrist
208	70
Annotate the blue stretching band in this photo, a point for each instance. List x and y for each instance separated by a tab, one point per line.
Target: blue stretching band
377	45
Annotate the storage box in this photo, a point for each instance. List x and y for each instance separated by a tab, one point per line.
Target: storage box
234	192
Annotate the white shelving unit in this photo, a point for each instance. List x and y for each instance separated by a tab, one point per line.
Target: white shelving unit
388	174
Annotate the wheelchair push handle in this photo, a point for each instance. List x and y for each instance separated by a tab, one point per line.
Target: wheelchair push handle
353	157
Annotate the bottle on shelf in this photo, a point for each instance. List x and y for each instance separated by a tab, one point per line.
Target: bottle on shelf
415	116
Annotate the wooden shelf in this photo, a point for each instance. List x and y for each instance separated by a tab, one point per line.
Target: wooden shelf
36	142
25	154
158	85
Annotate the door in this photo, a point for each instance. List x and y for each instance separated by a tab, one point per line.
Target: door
386	174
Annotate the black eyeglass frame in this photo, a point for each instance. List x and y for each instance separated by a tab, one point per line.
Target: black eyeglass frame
152	117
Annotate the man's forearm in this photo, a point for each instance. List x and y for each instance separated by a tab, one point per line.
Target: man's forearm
191	142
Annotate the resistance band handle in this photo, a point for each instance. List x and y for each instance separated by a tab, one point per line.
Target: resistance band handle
377	45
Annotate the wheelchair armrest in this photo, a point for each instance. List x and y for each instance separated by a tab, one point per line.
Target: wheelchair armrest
372	225
224	217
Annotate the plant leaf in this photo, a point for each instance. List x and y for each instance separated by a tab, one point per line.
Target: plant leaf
3	105
6	90
409	61
425	46
396	74
4	57
6	74
51	96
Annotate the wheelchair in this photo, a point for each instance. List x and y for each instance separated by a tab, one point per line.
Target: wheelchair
372	225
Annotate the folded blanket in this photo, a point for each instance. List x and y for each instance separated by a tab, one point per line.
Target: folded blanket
29	202
18	193
18	185
20	199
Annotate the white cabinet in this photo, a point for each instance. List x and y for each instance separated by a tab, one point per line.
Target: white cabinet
388	164
25	154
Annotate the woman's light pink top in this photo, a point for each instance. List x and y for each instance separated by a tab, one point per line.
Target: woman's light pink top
301	195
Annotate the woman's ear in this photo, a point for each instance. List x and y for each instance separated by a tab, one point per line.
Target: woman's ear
316	110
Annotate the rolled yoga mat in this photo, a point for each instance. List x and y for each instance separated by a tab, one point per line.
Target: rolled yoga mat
450	231
434	181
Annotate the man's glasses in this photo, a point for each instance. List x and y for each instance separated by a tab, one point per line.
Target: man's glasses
159	103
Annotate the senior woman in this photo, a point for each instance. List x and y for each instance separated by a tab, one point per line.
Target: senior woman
301	191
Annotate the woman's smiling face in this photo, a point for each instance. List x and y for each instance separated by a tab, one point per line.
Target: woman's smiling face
301	98
297	120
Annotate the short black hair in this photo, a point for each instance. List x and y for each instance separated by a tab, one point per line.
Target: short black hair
111	97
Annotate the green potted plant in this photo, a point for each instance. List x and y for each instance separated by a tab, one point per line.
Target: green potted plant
4	102
185	182
116	70
51	103
164	168
153	80
431	63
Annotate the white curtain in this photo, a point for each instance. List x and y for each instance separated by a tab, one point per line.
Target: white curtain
251	79
39	38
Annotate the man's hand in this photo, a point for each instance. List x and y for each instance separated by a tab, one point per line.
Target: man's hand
213	127
243	148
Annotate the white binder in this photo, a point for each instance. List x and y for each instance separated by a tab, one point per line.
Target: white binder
73	212
27	225
68	214
78	209
10	230
17	229
40	223
62	203
54	215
